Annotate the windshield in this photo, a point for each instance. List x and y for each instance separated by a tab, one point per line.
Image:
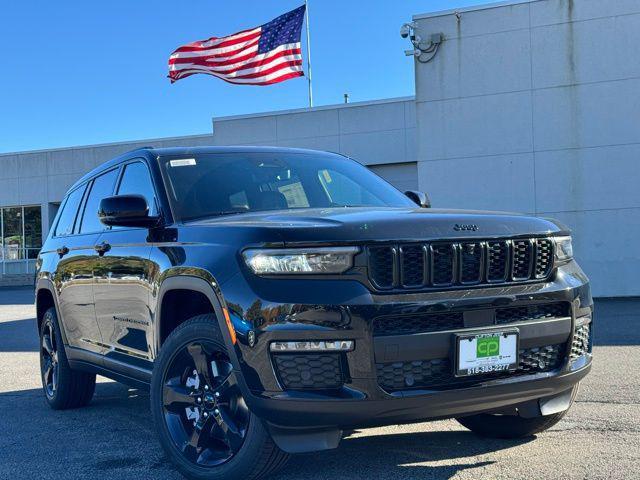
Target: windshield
228	183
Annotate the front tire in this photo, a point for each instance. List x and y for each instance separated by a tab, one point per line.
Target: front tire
511	426
63	387
203	423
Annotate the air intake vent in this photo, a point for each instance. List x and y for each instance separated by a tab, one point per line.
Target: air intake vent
437	374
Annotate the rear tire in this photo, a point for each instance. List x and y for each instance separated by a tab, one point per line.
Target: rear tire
63	387
192	377
511	426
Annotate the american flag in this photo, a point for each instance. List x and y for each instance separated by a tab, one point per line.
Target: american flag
260	56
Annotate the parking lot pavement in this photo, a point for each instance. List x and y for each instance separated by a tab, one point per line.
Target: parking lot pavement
114	438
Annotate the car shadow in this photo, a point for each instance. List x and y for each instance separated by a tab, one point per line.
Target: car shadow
114	437
17	296
18	335
398	456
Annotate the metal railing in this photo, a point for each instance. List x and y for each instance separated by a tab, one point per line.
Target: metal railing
17	260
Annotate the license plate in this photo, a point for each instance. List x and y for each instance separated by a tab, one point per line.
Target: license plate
489	352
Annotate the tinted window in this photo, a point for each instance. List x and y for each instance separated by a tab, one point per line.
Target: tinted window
213	184
69	211
136	179
102	187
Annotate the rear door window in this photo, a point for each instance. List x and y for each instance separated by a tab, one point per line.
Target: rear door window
101	187
69	212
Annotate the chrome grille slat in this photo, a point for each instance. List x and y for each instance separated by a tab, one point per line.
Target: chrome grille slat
451	264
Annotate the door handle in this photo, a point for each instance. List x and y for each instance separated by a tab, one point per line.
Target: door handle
102	248
62	251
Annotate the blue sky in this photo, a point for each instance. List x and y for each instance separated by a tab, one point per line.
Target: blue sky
78	73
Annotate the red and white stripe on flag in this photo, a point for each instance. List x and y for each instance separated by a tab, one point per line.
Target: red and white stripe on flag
261	56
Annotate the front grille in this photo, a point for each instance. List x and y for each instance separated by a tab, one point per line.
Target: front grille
497	261
408	324
544	257
453	264
471	262
442	264
532	312
581	344
382	265
412	265
309	371
437	374
521	255
438	322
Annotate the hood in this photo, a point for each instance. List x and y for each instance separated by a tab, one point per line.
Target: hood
366	224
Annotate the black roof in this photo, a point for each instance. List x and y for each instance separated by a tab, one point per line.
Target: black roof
151	152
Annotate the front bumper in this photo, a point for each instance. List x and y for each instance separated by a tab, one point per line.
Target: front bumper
264	311
307	413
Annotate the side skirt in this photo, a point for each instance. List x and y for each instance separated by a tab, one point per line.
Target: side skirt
122	372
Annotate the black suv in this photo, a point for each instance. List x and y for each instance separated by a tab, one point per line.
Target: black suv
272	299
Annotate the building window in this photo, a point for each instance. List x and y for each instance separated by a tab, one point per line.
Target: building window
32	231
21	233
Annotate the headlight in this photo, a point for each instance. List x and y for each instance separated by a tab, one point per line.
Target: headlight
564	249
300	260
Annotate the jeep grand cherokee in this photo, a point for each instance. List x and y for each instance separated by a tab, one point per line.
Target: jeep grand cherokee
272	299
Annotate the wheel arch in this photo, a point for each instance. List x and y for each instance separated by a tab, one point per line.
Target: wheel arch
200	282
45	298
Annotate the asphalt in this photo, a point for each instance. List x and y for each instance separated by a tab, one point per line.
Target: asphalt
114	437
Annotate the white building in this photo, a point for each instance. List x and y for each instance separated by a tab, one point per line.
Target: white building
529	106
535	107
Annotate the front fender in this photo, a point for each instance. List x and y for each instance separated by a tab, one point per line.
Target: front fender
197	280
202	281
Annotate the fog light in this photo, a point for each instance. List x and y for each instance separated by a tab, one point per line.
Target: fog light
321	346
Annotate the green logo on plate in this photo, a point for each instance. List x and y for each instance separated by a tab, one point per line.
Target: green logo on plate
488	346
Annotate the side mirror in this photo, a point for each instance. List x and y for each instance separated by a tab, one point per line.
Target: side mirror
126	211
420	198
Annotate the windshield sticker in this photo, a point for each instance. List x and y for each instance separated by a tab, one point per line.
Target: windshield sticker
184	162
327	177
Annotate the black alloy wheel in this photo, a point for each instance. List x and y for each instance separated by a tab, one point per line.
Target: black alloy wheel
49	359
205	414
63	387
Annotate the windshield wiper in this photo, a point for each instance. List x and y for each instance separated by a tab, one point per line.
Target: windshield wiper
228	212
213	214
337	205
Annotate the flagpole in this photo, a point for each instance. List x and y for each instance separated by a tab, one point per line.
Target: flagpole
306	4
